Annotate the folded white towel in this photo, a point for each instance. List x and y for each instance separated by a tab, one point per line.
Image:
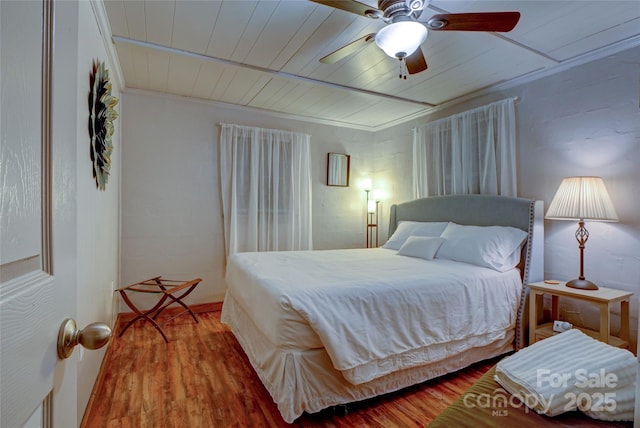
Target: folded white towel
572	371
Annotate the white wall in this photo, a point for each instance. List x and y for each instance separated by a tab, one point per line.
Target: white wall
582	121
97	211
586	121
171	211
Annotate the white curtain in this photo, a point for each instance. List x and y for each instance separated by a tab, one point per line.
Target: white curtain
471	152
266	189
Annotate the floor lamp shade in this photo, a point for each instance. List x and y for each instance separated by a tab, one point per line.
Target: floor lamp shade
580	199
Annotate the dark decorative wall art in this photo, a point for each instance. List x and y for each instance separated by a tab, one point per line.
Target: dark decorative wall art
101	117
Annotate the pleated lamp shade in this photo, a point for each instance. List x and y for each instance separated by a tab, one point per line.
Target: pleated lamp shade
582	198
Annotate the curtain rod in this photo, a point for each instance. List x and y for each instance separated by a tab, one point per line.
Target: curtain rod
264	129
515	99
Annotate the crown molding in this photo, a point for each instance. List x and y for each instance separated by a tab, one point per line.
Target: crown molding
105	32
568	64
271	113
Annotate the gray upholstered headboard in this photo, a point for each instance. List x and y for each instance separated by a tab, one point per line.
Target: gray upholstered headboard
484	210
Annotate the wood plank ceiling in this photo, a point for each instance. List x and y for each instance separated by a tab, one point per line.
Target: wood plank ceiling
265	54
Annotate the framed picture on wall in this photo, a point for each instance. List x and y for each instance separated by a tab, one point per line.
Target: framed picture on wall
338	169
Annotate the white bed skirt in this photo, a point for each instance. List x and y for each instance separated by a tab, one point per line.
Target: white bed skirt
306	381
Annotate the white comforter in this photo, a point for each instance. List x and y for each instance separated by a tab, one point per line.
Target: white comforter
374	311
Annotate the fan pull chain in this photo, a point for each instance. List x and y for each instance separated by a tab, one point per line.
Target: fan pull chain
403	69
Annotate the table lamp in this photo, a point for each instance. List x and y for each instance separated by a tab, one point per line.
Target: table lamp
582	198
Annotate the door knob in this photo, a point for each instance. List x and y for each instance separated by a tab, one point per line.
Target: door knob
93	336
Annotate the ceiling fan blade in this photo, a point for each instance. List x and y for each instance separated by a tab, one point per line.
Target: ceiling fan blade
347	50
353	7
416	62
475	21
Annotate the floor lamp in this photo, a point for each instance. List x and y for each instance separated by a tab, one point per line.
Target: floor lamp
372	221
581	199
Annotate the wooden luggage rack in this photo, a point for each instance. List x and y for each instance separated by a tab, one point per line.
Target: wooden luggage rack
169	291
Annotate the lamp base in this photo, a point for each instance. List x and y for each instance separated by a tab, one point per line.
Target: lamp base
582	284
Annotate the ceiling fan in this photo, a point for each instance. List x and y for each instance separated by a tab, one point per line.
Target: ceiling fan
404	32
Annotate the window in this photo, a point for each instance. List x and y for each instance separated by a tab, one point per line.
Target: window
266	189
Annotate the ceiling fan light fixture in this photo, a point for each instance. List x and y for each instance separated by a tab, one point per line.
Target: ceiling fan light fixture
401	38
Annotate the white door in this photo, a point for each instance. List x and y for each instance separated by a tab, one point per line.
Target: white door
37	226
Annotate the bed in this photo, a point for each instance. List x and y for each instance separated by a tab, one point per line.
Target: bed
323	328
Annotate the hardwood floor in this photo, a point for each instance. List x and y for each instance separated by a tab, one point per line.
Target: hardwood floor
202	378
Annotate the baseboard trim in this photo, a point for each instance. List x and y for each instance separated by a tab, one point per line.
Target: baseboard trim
125	317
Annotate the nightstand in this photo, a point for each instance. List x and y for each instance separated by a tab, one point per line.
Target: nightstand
603	298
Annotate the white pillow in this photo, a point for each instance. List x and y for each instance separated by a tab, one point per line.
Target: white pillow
424	247
495	247
415	228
